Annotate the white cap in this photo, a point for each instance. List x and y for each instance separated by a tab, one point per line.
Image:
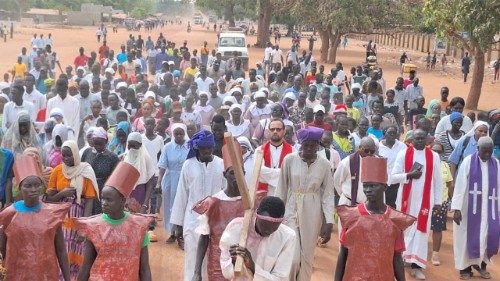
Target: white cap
356	86
121	85
150	94
203	93
290	95
110	70
264	89
259	94
80	68
171	62
318	108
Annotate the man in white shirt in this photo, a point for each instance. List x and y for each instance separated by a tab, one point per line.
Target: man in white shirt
84	99
267	56
69	105
413	91
276	57
270	246
201	176
456	104
203	81
17	104
33	95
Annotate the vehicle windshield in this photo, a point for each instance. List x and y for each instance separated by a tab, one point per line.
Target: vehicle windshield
232	42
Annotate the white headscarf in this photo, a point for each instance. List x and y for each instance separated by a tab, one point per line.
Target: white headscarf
179	126
78	171
477	124
139	158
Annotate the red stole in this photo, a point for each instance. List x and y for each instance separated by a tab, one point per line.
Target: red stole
266	150
423	215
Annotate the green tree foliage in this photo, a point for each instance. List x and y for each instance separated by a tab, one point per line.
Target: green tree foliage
230	10
480	19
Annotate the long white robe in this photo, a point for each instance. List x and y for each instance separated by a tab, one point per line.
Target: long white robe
460	202
272	255
416	241
342	182
196	182
308	193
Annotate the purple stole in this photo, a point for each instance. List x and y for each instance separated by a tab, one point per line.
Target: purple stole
475	207
354	162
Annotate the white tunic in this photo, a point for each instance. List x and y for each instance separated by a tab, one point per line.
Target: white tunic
308	193
416	241
342	182
71	110
196	182
460	202
272	255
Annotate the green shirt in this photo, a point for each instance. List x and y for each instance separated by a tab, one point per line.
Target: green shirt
111	221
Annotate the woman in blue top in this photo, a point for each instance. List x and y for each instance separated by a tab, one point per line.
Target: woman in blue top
375	128
467	145
170	164
118	143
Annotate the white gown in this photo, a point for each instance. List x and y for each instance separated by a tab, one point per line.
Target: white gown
196	182
415	240
460	202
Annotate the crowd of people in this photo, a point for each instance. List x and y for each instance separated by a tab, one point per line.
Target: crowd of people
97	153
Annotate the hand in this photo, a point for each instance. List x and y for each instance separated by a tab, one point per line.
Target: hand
68	192
88	117
158	189
436	207
457	217
144	209
326	232
414	175
236	250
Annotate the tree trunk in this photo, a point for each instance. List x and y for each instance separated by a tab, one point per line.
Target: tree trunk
477	80
334	44
265	14
324	34
229	15
289	29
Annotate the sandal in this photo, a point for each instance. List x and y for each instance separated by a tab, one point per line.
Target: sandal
180	242
465	276
171	239
482	272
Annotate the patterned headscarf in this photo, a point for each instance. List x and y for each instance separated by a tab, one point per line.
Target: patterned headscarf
202	139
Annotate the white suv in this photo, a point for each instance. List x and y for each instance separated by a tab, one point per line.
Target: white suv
233	41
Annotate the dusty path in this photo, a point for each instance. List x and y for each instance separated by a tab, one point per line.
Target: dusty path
167	260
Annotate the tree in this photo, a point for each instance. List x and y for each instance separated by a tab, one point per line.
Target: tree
142	9
480	19
229	9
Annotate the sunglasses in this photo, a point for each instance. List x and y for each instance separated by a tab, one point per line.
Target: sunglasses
275	129
369	151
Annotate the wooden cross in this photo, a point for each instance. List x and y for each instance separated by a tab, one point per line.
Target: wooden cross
247	194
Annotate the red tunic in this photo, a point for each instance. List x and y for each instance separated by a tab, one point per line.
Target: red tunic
219	213
371	241
31	253
118	247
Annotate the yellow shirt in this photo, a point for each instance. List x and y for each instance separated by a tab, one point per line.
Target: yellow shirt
354	113
19	70
446	174
191	71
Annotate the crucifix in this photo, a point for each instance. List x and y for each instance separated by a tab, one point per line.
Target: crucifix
493	199
247	194
475	192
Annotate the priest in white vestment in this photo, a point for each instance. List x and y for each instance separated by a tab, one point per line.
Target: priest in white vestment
476	227
418	171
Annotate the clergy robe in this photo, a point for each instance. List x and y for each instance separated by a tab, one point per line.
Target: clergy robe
342	182
272	255
459	201
196	182
270	175
415	240
308	194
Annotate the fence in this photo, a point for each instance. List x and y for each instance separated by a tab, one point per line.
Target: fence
422	43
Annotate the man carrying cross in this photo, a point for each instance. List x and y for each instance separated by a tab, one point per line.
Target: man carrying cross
476	231
417	169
